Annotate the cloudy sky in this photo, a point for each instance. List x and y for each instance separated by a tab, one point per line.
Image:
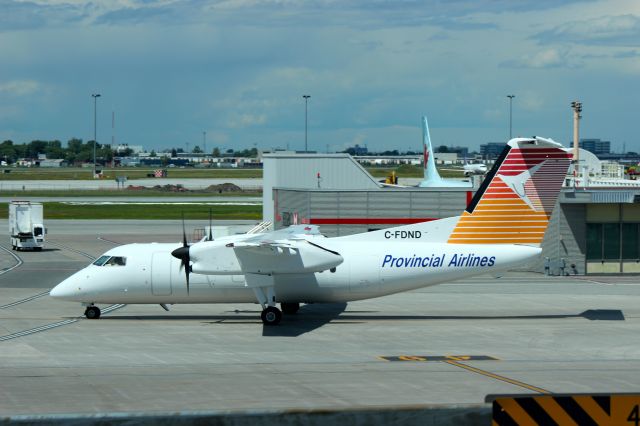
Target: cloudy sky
237	69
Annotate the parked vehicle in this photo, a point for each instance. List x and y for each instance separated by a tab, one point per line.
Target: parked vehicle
26	225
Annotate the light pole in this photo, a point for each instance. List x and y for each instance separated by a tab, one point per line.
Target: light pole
95	128
577	109
204	143
510	114
306	100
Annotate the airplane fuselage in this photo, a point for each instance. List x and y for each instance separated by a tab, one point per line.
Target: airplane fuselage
152	275
502	227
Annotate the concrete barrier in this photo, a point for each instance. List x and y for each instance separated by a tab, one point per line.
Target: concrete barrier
428	415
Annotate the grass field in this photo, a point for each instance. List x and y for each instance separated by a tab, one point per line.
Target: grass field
407	171
55	210
132	173
124	193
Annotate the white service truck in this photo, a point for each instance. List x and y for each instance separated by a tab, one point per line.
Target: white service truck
26	225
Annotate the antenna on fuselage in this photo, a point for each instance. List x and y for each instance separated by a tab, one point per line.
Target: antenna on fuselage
210	226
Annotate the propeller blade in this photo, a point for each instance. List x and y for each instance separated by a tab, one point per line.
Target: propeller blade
182	253
210	227
184	233
186	272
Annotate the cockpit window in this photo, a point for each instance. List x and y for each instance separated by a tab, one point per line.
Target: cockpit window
101	260
116	261
111	261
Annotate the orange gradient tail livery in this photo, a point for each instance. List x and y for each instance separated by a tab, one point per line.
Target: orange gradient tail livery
515	201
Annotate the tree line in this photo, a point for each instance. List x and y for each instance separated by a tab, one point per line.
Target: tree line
78	151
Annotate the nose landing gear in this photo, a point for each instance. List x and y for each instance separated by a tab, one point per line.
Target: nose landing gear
92	312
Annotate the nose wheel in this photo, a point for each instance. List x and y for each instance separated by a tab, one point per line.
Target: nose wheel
92	312
271	315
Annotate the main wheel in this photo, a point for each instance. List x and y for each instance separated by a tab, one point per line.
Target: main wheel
271	316
289	308
92	312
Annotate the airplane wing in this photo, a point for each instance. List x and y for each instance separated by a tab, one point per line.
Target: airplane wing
284	257
290	232
293	250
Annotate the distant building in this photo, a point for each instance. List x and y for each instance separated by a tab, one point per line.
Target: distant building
462	151
126	161
632	158
135	149
357	150
48	162
45	162
379	160
445	157
360	150
595	146
491	150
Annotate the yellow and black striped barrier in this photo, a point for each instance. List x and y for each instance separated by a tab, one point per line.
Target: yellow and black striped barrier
570	409
439	358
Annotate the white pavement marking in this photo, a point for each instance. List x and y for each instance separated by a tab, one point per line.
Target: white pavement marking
45	327
16	257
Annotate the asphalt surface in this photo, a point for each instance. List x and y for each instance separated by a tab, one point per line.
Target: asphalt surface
523	333
132	199
189	183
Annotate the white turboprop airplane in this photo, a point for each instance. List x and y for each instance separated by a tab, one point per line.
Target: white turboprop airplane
502	227
474	169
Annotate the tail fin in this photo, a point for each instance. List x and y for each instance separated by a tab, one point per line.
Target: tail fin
428	164
431	175
516	199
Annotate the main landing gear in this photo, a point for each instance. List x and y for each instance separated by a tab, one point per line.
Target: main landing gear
92	312
264	289
271	315
289	308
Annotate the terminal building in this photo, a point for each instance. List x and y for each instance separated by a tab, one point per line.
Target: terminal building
596	146
595	227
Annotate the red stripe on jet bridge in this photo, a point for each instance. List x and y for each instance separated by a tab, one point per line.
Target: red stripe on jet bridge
369	220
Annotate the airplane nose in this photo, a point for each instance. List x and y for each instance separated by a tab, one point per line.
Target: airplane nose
65	290
60	291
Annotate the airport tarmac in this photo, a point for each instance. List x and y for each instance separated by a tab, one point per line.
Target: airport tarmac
133	199
189	183
449	344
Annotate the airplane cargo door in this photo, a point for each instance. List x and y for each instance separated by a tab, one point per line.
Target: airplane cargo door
161	274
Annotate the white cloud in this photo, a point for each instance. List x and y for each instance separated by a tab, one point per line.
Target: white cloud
247	120
218	138
548	58
19	87
610	30
171	69
531	101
